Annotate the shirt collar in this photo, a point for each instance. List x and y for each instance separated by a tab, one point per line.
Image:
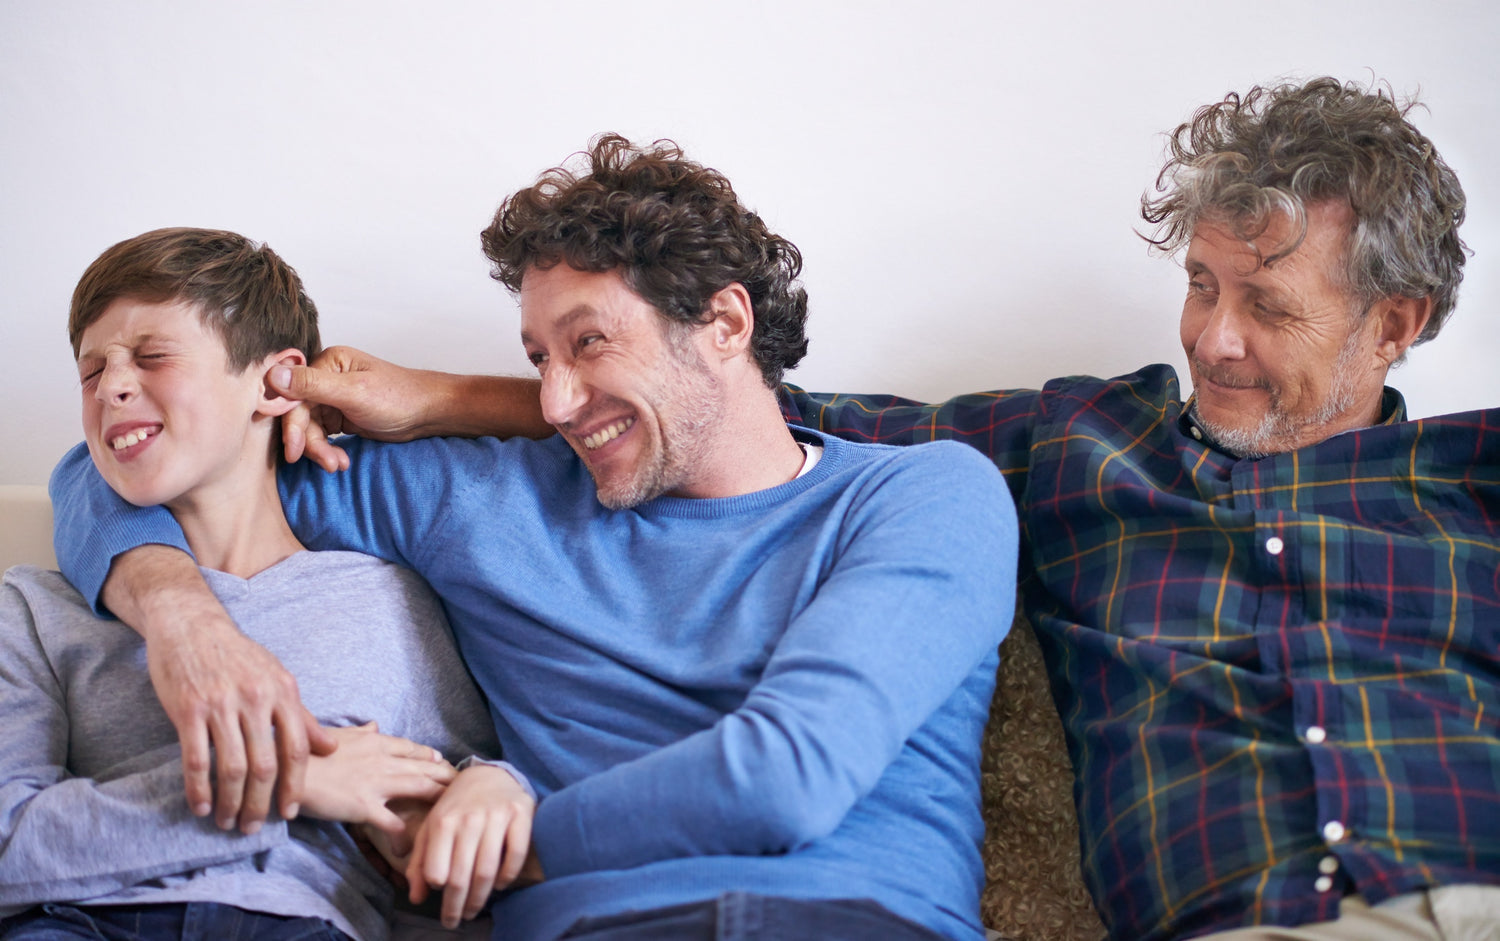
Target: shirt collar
1392	410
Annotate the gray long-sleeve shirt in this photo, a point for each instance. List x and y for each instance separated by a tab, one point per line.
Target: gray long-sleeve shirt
91	801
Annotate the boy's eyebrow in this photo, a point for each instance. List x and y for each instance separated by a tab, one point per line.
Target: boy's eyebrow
138	340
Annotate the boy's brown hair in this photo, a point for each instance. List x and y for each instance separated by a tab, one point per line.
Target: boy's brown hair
243	290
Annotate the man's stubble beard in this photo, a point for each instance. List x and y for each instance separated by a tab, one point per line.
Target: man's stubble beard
684	436
1278	431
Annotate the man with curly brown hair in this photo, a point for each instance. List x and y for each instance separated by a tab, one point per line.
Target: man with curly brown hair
746	666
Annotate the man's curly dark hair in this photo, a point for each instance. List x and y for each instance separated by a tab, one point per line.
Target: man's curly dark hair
1276	150
672	228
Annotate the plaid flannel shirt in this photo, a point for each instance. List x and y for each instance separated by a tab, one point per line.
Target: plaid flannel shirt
1280	678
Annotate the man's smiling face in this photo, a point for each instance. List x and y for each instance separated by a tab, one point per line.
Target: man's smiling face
629	391
1280	357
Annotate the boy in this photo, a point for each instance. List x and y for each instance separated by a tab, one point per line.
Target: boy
174	331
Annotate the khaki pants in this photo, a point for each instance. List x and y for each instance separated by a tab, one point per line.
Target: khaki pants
1449	913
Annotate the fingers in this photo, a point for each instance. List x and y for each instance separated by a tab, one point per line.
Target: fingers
517	848
196	764
293	727
461	873
415	866
294	431
320	740
487	860
232	766
325	453
260	779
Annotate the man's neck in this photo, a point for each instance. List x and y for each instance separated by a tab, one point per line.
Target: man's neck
754	450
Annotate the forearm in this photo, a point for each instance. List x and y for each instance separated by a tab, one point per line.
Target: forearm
475	406
159	592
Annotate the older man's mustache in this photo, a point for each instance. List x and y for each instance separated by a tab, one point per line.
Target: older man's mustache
1226	377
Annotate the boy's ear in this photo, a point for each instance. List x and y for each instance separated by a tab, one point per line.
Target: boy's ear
271	402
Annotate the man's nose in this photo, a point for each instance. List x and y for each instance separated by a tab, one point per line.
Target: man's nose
1223	336
562	394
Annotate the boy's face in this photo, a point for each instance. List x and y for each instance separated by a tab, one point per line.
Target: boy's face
165	420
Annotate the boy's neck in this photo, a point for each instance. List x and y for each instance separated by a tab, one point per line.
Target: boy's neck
238	530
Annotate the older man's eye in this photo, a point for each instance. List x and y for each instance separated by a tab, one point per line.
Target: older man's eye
588	340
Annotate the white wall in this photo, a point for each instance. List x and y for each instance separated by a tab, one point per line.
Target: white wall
962	177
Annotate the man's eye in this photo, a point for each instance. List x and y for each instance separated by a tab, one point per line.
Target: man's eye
537	359
89	377
588	339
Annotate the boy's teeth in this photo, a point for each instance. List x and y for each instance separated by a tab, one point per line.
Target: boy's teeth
126	440
606	435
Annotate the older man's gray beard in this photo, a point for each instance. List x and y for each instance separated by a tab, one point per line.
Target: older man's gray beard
684	443
1279	431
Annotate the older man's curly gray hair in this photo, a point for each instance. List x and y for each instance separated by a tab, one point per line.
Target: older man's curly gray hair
1242	161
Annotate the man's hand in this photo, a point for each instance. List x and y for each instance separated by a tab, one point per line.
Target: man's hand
346	391
369	771
217	686
476	839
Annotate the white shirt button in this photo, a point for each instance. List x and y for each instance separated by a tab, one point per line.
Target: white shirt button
1323	883
1274	545
1333	831
1316	735
1197	435
1328	865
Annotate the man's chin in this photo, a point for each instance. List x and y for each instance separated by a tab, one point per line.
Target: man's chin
1253	439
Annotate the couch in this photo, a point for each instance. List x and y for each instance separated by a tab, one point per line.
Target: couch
1033	889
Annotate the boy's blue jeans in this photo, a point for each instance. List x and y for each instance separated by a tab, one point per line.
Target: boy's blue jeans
188	921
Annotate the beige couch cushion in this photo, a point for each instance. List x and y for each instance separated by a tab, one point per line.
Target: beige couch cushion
25	526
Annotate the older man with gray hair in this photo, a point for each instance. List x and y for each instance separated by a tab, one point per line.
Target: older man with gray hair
1270	612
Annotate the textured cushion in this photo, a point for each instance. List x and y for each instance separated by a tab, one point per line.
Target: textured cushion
1033	886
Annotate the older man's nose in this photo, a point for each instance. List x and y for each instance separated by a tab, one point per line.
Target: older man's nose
1222	337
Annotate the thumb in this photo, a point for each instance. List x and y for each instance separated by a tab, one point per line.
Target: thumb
305	383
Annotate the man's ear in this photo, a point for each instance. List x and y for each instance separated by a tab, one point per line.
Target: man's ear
734	320
1400	321
273	403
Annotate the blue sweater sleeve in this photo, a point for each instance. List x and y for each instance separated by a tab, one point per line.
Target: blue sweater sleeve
921	594
91	525
384	505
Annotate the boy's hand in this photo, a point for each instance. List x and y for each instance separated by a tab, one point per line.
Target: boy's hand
475	840
367	772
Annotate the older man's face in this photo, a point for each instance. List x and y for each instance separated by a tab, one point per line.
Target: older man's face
1279	356
631	395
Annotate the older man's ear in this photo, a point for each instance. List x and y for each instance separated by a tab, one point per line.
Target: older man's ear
1400	322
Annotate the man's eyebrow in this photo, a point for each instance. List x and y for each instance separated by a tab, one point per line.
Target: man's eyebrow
581	312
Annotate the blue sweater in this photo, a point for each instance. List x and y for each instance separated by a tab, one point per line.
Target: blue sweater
781	692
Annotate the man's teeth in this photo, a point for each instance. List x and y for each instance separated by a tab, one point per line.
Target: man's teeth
602	437
126	440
